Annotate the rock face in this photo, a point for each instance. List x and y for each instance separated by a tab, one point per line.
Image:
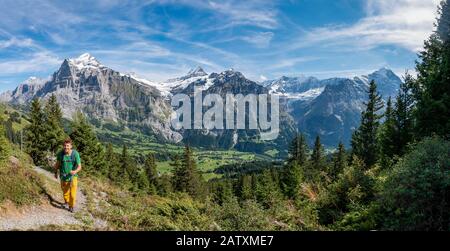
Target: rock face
102	93
336	112
234	82
24	92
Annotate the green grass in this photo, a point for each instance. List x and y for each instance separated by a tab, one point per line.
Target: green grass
140	144
18	183
208	161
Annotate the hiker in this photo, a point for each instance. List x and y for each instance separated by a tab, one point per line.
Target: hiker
69	164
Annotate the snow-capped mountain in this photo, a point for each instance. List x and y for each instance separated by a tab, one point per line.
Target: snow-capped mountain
330	108
336	112
234	82
176	85
85	84
85	61
285	84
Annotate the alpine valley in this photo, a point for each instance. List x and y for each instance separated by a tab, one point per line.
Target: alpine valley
114	101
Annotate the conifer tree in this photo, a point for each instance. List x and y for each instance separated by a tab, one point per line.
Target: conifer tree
292	179
186	176
298	150
318	164
443	22
5	148
364	139
53	116
403	113
178	173
267	192
164	185
35	134
125	166
246	192
433	92
389	134
223	191
151	172
111	170
339	162
296	167
86	143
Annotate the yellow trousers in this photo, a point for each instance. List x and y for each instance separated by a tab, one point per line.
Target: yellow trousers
70	191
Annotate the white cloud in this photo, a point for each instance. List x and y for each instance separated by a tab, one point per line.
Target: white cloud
37	62
259	39
258	13
15	42
289	62
405	23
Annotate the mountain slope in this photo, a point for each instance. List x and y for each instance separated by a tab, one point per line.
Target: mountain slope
85	84
336	112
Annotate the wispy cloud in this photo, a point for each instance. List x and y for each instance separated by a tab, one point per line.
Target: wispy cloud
405	23
36	62
15	42
259	13
289	62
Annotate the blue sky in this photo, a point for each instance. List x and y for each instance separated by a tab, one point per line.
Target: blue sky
162	39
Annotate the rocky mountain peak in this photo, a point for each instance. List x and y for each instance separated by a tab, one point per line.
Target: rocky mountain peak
85	60
197	72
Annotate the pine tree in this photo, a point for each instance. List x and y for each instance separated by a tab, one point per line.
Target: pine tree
292	179
35	134
267	192
86	143
339	162
111	170
296	167
151	172
443	23
178	182
125	166
364	140
141	184
186	176
55	133
298	150
5	148
318	164
164	185
223	191
433	68
246	192
403	114
388	135
353	188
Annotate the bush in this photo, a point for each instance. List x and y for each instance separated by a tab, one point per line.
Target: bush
416	194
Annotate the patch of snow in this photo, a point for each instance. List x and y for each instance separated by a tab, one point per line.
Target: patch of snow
85	61
308	95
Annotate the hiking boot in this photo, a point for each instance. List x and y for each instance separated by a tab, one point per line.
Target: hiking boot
71	209
65	206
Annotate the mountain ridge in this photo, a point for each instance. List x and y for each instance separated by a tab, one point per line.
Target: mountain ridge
328	107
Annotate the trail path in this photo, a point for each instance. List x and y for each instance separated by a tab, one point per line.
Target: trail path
34	217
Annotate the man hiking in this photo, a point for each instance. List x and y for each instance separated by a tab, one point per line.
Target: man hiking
68	163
